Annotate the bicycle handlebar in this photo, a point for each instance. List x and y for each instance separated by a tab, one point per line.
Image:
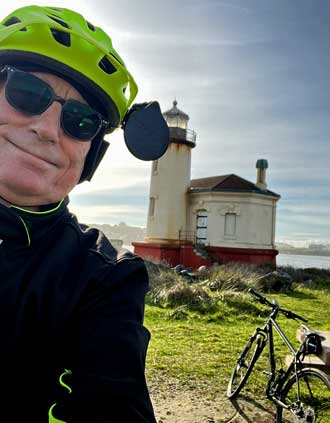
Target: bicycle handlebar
287	313
291	315
260	298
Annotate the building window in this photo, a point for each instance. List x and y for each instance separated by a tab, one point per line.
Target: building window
154	166
201	227
230	224
151	206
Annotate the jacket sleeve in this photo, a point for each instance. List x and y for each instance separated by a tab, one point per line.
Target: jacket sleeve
108	367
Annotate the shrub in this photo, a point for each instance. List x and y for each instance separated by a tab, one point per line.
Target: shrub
194	297
312	276
236	277
277	281
160	275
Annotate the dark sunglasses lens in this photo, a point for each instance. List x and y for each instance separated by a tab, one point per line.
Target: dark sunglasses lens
79	120
27	93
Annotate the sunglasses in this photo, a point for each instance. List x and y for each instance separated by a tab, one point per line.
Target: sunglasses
31	95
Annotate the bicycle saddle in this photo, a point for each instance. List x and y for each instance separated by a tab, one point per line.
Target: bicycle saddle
307	331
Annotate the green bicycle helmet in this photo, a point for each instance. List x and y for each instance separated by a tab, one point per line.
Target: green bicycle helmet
63	42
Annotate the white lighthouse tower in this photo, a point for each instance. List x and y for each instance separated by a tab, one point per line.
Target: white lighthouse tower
170	181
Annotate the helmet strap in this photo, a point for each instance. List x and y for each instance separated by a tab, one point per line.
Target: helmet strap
95	155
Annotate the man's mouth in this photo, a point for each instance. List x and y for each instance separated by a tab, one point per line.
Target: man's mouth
34	155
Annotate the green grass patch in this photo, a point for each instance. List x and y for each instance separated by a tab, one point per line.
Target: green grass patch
194	340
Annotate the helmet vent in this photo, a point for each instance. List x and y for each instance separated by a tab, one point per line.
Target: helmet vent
61	37
118	60
54	8
59	21
107	66
13	20
91	26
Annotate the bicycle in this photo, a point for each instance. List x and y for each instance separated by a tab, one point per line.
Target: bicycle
301	394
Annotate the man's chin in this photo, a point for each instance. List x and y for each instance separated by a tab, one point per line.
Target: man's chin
27	199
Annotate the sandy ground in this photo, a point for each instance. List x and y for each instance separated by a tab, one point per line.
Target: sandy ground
177	403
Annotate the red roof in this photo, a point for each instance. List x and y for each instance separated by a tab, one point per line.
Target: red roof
226	183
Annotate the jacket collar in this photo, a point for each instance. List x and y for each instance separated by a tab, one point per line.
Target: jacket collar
21	228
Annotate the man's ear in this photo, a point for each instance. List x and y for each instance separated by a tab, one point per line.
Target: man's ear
146	133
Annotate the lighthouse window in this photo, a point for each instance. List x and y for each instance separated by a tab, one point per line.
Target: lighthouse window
230	224
151	206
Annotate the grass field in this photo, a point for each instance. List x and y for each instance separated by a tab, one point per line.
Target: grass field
199	345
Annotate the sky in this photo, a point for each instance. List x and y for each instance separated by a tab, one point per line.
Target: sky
252	75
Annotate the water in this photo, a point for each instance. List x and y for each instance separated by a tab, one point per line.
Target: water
303	261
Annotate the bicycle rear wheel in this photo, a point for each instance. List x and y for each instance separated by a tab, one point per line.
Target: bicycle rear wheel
244	365
313	404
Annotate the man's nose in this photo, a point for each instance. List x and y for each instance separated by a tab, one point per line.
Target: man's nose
47	125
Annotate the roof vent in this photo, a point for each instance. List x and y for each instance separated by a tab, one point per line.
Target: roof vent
261	166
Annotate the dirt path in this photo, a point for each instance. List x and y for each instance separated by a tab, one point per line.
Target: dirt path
177	403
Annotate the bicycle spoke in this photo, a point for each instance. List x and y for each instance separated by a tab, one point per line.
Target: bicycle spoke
308	400
244	367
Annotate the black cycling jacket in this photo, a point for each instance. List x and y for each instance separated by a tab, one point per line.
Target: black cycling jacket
69	300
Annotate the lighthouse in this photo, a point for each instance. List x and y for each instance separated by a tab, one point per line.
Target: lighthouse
168	193
170	181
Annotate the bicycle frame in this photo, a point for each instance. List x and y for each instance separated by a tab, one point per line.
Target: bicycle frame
277	380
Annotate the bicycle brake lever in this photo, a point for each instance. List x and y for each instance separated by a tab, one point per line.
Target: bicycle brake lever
291	315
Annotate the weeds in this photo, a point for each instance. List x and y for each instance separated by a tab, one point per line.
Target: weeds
311	277
224	285
235	277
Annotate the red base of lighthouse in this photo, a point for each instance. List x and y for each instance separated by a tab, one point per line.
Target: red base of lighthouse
174	254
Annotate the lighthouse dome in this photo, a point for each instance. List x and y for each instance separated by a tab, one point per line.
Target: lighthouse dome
175	117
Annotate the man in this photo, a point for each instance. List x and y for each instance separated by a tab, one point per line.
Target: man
73	344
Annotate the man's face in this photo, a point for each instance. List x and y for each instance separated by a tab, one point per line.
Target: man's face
39	162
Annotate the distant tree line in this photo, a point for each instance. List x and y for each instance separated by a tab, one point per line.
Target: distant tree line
126	233
314	249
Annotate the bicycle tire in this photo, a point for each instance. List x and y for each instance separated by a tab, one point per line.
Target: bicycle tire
244	365
314	403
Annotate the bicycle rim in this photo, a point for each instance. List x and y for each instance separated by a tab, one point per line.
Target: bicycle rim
313	405
244	366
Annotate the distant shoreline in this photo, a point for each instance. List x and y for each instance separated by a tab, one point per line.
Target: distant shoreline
305	252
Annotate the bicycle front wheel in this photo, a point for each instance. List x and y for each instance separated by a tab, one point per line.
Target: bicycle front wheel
244	365
307	396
